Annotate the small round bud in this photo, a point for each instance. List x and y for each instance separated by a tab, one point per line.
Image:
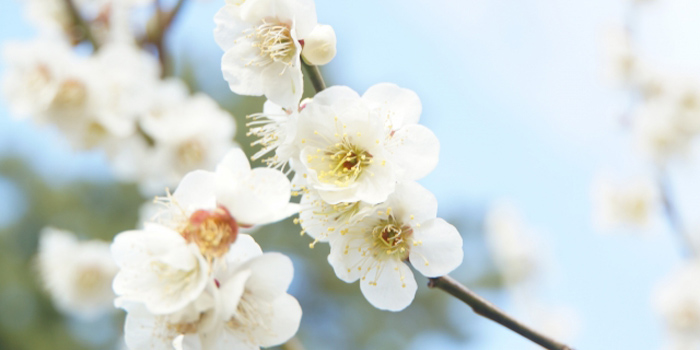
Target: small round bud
319	45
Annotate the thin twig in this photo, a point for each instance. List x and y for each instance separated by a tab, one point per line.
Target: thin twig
484	308
80	24
315	76
164	20
674	218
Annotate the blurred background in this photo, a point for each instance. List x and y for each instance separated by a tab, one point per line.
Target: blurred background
520	96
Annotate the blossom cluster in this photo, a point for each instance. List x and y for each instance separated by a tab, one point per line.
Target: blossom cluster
192	279
152	130
355	157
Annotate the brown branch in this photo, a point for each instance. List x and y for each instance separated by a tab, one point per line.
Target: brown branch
80	24
484	308
164	20
315	76
674	218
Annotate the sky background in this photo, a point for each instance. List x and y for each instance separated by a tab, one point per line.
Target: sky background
517	95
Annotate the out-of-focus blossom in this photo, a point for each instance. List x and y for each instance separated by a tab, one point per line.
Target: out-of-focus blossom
512	243
659	133
621	66
402	229
355	148
188	133
78	275
678	301
631	204
262	50
319	45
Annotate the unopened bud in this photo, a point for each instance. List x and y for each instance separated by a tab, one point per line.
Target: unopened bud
319	45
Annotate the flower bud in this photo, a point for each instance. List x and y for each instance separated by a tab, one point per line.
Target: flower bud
319	45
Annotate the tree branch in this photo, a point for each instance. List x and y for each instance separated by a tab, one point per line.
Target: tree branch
673	216
315	76
81	25
484	308
164	20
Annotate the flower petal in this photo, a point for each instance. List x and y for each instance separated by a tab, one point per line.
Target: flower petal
283	84
259	198
229	26
400	106
440	248
197	190
243	78
389	286
271	276
412	203
416	151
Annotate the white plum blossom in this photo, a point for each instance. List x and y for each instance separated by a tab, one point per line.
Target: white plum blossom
677	299
659	133
245	306
262	50
513	244
188	133
632	204
276	129
622	64
320	45
356	148
78	274
403	229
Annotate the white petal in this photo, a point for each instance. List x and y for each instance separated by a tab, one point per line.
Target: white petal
231	291
242	250
440	248
401	106
283	84
234	166
271	276
395	286
197	190
187	342
259	198
143	330
415	151
376	183
284	323
300	12
229	26
413	203
243	78
333	94
348	262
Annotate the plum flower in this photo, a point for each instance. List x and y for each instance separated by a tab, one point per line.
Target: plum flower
244	306
77	274
276	129
357	148
262	49
403	229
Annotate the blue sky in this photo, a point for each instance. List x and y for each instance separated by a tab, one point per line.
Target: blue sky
516	94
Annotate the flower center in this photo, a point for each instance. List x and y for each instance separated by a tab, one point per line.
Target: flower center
391	239
89	280
190	154
275	43
345	163
213	231
71	94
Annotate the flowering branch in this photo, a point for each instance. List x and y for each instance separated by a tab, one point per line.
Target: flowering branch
164	20
673	216
81	25
315	76
484	308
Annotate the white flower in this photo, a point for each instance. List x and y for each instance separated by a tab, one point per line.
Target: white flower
622	63
262	50
188	133
129	77
320	219
276	129
512	244
659	132
319	45
631	204
404	228
678	301
77	274
245	306
159	268
356	148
